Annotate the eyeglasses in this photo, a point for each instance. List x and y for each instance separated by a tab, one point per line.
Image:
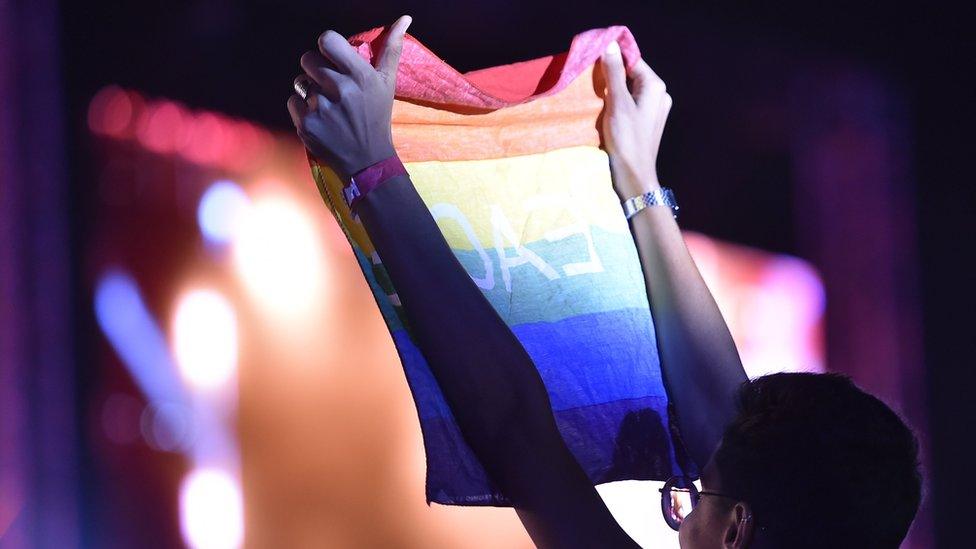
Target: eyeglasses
679	497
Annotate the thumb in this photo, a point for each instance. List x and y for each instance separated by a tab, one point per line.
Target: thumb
616	74
389	57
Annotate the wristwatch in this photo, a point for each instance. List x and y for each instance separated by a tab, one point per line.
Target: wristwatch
658	197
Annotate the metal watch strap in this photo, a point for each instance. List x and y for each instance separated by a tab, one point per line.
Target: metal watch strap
658	197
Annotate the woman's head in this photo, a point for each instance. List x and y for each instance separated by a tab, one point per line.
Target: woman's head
809	461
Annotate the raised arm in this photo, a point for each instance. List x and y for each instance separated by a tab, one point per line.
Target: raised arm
699	361
488	379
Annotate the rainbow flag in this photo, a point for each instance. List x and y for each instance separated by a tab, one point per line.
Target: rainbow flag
508	161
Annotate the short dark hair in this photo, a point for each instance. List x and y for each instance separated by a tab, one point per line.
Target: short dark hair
821	463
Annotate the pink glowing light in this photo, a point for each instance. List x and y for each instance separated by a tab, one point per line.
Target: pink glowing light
162	128
166	127
111	112
774	305
206	141
250	148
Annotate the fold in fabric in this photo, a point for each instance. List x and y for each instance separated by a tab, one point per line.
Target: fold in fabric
508	161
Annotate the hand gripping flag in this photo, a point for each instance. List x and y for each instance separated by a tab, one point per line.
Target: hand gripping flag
508	161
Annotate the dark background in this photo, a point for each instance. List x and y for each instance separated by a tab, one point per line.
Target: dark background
240	58
727	65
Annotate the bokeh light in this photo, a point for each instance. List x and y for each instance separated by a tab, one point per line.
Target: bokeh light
162	128
221	211
278	254
167	127
167	427
773	304
206	139
111	111
211	510
205	339
135	336
783	314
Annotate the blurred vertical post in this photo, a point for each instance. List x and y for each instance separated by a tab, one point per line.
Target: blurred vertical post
856	220
37	413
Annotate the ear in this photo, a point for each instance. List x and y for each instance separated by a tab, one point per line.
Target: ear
739	526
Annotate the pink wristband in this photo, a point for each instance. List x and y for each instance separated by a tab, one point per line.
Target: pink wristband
367	179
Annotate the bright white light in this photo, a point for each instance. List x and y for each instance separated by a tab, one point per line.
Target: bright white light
205	338
278	254
635	504
211	510
221	210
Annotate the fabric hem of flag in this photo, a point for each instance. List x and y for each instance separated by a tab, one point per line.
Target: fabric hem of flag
423	76
644	464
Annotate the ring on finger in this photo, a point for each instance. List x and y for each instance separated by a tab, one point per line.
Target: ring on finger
301	86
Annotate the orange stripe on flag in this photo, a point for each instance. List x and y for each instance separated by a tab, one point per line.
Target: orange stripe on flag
566	119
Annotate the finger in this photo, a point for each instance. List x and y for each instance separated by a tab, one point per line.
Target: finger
336	49
323	73
616	74
389	57
647	86
297	108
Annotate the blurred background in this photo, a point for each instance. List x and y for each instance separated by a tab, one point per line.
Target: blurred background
189	355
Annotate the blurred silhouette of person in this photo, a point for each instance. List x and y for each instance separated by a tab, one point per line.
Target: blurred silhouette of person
779	452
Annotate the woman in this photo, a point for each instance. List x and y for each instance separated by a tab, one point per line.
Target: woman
499	400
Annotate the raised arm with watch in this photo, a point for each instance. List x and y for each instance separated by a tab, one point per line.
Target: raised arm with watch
699	360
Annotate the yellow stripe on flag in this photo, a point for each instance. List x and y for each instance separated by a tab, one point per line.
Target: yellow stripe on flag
525	198
505	202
